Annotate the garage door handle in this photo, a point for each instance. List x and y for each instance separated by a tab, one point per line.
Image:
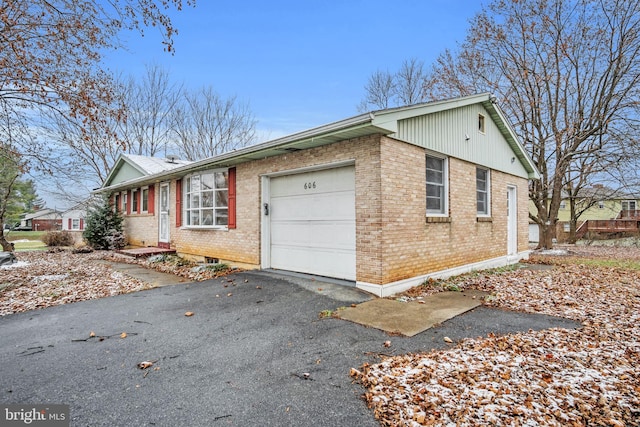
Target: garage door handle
266	209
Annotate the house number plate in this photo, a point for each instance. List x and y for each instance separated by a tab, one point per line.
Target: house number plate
309	185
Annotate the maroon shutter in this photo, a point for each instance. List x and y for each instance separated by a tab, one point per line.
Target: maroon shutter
151	200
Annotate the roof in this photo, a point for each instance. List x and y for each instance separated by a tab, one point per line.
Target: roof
152	165
144	165
41	212
383	122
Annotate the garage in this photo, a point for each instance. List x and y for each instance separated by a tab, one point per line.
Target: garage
312	222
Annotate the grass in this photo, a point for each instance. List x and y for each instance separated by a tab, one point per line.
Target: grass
33	240
30	245
23	235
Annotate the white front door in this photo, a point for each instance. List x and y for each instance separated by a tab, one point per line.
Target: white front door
163	217
312	222
512	221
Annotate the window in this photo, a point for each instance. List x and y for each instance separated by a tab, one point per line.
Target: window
124	202
75	223
628	205
480	123
134	201
601	205
145	199
436	186
567	227
563	205
482	191
207	199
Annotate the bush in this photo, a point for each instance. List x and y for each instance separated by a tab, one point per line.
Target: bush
58	238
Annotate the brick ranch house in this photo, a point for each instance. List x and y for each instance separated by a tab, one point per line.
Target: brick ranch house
384	199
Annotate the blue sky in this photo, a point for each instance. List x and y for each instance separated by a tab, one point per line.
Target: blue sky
299	64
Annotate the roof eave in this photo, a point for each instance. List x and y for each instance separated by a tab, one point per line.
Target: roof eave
353	127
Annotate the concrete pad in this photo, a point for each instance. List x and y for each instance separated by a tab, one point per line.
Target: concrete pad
411	318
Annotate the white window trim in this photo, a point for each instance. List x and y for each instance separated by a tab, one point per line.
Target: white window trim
445	179
142	209
185	210
134	193
73	224
123	201
482	118
488	192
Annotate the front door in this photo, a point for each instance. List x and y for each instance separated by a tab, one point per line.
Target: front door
163	226
512	221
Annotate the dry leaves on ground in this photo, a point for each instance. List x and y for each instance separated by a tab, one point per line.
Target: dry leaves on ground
173	264
554	377
43	279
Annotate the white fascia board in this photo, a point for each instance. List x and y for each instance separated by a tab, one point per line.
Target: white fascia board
382	117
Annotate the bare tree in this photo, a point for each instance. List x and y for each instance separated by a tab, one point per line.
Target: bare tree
50	59
149	106
409	81
380	91
567	73
206	124
404	87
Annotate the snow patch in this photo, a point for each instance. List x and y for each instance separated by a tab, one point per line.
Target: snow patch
14	265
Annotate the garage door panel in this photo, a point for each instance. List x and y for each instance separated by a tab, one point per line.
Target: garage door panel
314	207
334	263
324	181
312	222
308	234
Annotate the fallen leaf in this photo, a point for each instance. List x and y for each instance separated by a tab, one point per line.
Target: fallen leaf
146	364
92	334
229	294
387	343
189	313
123	335
447	339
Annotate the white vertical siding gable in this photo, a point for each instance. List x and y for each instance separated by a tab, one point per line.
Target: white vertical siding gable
454	132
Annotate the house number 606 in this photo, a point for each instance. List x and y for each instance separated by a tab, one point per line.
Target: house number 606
309	185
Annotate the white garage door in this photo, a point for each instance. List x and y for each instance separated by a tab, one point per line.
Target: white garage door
313	222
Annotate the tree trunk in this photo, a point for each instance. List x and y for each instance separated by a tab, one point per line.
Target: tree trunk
547	234
573	219
6	246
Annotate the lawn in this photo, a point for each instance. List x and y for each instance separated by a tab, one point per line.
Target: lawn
557	377
26	240
23	235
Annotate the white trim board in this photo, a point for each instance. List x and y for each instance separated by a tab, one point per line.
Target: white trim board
405	284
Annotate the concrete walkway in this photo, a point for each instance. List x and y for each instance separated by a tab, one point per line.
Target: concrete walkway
153	277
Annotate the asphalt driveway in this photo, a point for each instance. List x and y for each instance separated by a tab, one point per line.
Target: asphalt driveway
254	353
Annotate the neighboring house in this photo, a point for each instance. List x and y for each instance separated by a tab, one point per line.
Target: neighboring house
73	220
385	199
42	220
603	208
